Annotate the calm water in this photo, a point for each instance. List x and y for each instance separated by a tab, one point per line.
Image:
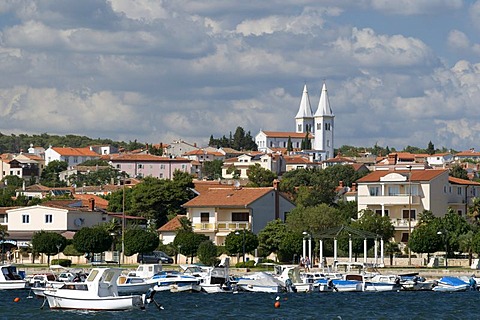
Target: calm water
348	305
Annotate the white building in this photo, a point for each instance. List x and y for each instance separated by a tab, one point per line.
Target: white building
319	126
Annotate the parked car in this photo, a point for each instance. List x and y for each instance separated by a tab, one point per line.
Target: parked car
154	257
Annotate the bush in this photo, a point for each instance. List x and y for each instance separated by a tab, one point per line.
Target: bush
67	263
248	264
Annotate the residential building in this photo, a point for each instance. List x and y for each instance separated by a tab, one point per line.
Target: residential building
147	165
403	194
440	160
39	191
169	230
179	147
72	156
238	167
467	155
220	211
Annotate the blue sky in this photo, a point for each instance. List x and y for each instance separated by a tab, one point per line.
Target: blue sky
398	72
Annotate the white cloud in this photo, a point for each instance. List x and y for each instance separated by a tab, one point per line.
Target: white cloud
458	40
474	12
414	7
370	49
143	10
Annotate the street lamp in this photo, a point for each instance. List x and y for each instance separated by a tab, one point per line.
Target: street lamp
243	243
58	251
409	167
444	234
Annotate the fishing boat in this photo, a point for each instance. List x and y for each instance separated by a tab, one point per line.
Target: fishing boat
98	292
10	279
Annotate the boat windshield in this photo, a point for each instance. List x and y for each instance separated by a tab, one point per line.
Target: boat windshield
92	275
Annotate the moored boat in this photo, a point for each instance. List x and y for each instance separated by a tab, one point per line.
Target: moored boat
451	284
10	278
98	292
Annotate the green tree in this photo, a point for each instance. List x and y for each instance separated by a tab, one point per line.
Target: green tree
424	239
474	210
313	219
236	240
466	244
453	226
50	174
289	144
188	242
49	243
3	234
115	200
290	247
458	172
95	163
92	240
392	248
431	148
140	241
260	177
348	210
271	237
207	253
213	169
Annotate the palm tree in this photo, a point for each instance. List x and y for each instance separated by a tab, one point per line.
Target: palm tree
392	248
474	210
466	244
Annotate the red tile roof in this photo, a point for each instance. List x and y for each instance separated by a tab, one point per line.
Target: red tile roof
203	186
68	151
417	175
129	157
173	224
279	134
99	201
228	197
462	181
468	153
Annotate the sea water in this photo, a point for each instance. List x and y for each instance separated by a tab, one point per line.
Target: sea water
335	305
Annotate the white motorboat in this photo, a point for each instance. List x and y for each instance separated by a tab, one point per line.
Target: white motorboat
10	279
376	282
451	284
38	283
290	276
217	279
175	281
260	282
412	282
98	292
338	285
131	285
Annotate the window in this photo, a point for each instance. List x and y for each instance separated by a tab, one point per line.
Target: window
162	166
393	190
374	191
118	166
379	212
459	190
3	218
404	237
459	212
239	216
412	214
48	218
299	128
204	217
319	126
75	159
160	175
140	166
25	218
328	143
67	160
414	190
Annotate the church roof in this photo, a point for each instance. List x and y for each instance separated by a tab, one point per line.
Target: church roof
324	104
305	109
279	134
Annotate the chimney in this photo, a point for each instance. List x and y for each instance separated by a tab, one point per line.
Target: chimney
277	199
91	204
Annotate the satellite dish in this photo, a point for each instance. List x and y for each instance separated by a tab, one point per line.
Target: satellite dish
78	222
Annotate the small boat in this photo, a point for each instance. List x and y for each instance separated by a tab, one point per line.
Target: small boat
98	292
218	280
38	283
260	282
291	277
10	279
413	282
451	284
175	281
131	285
338	285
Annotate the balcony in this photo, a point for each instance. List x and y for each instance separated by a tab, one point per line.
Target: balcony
221	226
232	225
401	199
403	223
204	226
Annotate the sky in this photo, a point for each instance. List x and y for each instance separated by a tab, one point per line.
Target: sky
398	72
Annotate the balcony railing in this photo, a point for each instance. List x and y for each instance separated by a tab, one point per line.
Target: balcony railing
400	199
204	226
232	225
403	223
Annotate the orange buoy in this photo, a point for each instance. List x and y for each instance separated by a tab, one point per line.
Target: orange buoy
277	304
16	299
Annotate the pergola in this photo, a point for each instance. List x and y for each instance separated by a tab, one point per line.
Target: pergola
343	231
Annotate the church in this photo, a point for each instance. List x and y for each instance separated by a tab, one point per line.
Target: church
319	127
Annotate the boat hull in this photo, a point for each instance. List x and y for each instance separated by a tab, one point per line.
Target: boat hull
58	301
13	285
